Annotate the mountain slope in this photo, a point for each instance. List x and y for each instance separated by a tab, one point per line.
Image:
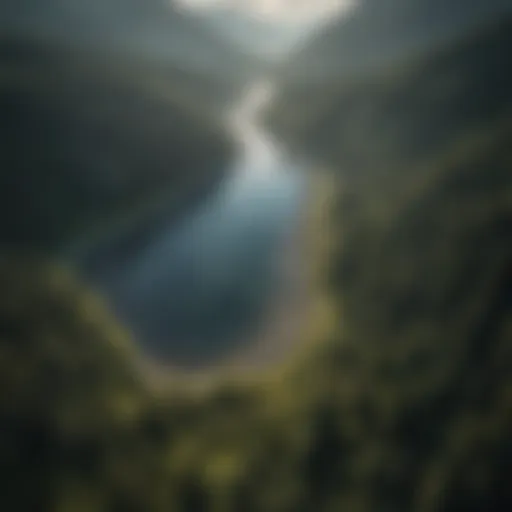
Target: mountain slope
88	137
378	33
153	29
406	111
416	377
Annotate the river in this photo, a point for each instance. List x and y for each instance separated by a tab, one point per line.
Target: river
200	289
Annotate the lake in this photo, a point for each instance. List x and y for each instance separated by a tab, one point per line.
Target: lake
194	291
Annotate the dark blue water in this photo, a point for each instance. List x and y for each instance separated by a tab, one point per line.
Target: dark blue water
192	291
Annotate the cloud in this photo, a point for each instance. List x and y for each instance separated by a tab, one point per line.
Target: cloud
277	10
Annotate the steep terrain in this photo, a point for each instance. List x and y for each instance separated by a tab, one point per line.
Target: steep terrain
87	138
415	385
403	113
156	31
155	28
378	33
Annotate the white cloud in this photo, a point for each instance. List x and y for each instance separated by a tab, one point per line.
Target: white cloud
277	10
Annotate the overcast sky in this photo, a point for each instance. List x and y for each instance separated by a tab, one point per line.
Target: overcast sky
278	10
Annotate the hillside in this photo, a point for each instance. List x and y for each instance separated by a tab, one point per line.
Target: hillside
405	112
87	138
156	31
417	376
153	28
378	33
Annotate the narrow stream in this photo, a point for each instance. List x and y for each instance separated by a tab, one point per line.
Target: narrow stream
195	291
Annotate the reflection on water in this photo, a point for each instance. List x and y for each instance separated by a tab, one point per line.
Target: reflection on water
195	289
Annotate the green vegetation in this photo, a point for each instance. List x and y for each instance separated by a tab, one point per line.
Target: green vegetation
157	31
403	114
403	404
71	407
88	138
376	34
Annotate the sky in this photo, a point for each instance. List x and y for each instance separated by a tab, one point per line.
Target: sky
278	10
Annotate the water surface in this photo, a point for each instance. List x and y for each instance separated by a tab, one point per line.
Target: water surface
193	291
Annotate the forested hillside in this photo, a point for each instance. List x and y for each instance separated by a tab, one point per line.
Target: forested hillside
418	414
406	111
155	29
169	40
378	33
88	137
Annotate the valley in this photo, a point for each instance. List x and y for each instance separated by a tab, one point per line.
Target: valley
232	290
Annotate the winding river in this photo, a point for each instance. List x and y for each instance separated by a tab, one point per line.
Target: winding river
200	290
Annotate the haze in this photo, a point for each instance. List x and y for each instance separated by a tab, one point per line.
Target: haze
302	11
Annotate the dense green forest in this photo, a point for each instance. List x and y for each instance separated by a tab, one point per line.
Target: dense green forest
405	112
160	31
402	404
88	137
378	33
